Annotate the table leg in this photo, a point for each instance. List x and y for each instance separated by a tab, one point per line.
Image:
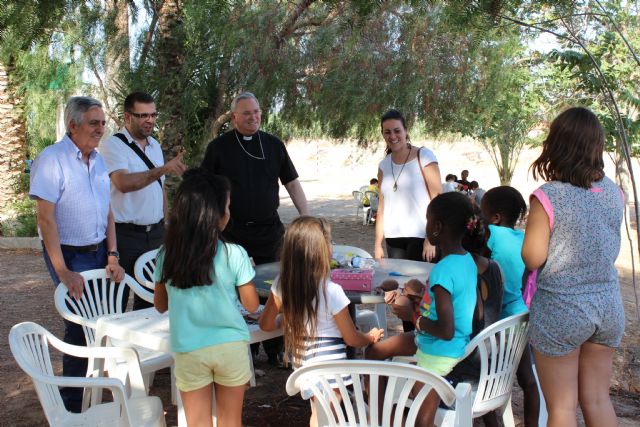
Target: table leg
381	313
351	352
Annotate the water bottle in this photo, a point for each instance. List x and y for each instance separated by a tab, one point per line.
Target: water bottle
356	262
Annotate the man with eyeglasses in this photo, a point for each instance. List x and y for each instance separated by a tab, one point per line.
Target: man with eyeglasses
254	161
137	170
70	184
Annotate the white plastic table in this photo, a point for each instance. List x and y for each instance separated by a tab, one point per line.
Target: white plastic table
150	329
401	270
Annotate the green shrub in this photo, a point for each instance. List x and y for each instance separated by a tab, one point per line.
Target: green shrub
24	223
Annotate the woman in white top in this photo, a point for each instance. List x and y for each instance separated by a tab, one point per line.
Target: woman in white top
402	212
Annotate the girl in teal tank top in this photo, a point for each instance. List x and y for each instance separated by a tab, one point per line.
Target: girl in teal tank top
502	207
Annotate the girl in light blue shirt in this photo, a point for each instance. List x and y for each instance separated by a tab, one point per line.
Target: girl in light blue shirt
501	208
199	279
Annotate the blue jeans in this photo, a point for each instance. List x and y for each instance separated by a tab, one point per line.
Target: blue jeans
73	333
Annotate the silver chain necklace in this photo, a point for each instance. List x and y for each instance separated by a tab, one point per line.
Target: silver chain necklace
248	153
395	180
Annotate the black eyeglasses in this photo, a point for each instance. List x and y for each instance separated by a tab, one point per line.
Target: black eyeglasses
144	116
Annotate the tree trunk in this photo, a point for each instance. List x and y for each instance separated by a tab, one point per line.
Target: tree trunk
12	144
117	64
170	58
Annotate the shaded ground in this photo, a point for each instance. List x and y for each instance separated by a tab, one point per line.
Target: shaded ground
27	295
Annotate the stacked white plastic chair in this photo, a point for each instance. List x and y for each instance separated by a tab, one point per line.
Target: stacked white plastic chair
102	297
353	408
30	344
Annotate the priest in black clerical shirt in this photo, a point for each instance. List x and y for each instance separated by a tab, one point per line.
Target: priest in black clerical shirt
254	162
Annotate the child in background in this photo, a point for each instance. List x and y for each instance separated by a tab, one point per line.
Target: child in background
476	193
199	278
501	208
573	238
450	184
315	317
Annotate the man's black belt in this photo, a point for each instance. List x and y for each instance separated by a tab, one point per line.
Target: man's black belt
81	249
139	228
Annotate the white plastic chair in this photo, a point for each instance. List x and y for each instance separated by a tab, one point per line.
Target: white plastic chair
372	196
102	297
144	269
500	347
356	410
358	196
30	343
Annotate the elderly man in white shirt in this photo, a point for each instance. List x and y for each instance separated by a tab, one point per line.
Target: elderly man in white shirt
136	166
69	181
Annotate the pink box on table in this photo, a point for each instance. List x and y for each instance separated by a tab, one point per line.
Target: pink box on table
353	279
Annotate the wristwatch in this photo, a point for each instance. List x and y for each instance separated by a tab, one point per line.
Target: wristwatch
115	254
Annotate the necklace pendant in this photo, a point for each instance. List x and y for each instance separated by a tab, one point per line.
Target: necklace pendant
395	186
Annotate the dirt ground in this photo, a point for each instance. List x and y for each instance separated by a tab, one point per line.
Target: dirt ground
27	295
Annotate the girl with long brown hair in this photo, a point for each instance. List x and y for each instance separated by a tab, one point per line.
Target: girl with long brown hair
201	279
573	239
314	310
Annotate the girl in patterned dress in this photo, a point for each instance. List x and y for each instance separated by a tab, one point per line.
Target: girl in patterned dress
573	238
314	310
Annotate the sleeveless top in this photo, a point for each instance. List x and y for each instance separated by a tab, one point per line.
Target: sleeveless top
492	306
405	210
585	236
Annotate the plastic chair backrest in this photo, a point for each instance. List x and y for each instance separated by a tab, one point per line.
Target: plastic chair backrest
358	196
328	380
101	296
29	343
373	199
500	347
145	268
349	251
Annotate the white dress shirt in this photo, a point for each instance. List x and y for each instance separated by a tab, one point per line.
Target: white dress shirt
141	207
80	193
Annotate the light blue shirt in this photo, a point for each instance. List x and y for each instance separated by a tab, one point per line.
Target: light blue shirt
458	275
80	193
201	316
506	247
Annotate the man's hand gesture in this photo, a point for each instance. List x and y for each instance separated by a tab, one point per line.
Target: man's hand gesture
175	165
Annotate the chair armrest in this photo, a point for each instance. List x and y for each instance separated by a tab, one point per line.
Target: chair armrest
405	359
126	354
464	405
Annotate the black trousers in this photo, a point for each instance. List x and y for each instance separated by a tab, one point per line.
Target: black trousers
262	243
405	248
132	244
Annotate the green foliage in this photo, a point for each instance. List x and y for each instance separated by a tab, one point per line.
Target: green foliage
24	223
45	81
